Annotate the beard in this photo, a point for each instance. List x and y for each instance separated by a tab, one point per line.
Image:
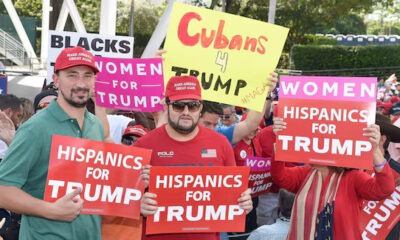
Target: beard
179	128
70	100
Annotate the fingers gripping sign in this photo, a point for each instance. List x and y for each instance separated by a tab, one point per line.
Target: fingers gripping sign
68	207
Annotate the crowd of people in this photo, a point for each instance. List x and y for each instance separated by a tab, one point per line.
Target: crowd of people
305	201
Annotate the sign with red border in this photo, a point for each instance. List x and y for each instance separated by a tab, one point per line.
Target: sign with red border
197	199
377	218
325	119
260	180
108	174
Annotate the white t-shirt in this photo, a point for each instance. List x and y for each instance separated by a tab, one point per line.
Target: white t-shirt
118	124
3	149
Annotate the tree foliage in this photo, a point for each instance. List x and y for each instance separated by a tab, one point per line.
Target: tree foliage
306	16
25	8
348	24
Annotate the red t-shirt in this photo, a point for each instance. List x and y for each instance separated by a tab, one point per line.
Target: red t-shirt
266	138
242	150
208	148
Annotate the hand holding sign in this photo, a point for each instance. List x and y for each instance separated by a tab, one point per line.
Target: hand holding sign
245	201
279	125
148	206
68	207
145	174
372	131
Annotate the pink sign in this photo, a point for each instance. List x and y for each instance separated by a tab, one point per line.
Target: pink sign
332	112
355	89
130	84
260	180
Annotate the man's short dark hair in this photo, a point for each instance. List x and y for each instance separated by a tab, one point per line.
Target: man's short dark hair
10	101
212	107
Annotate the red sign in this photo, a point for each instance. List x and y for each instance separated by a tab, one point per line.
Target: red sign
377	218
108	174
325	118
197	199
260	180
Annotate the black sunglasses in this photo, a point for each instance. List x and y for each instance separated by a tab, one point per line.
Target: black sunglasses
129	140
180	106
226	116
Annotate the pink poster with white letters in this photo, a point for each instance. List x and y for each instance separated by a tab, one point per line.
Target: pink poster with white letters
325	117
130	84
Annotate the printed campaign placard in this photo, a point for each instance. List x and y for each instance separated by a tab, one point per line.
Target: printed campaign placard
108	174
231	56
260	180
130	84
377	218
325	118
97	44
197	199
3	84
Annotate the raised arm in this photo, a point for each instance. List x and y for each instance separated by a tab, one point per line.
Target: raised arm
254	118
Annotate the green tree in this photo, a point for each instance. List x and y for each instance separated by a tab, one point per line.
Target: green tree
385	19
28	8
306	16
348	24
146	16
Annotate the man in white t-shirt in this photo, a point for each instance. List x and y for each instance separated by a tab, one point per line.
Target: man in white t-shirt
118	124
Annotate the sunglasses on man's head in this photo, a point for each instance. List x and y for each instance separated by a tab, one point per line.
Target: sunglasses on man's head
180	106
226	116
43	105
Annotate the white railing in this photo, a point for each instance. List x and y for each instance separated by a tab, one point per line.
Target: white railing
11	48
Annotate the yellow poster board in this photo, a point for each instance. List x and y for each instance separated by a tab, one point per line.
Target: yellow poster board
231	56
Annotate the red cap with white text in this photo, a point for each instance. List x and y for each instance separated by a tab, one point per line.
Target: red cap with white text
183	87
74	56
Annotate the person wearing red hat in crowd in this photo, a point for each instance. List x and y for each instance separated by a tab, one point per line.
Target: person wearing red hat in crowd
23	170
212	111
185	138
379	107
132	134
386	108
394	99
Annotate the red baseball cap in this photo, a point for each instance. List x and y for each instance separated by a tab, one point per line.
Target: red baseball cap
137	130
394	99
74	56
183	87
386	107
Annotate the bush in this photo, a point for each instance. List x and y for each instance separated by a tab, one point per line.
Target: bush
327	60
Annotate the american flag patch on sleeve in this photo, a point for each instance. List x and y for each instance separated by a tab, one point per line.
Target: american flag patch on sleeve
208	153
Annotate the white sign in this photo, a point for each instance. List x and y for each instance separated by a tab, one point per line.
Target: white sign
99	45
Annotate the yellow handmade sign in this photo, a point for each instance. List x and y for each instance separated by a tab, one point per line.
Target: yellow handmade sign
231	56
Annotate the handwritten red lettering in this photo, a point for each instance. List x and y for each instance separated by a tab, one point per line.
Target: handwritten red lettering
216	38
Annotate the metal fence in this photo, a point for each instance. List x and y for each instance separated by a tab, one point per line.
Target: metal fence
12	49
